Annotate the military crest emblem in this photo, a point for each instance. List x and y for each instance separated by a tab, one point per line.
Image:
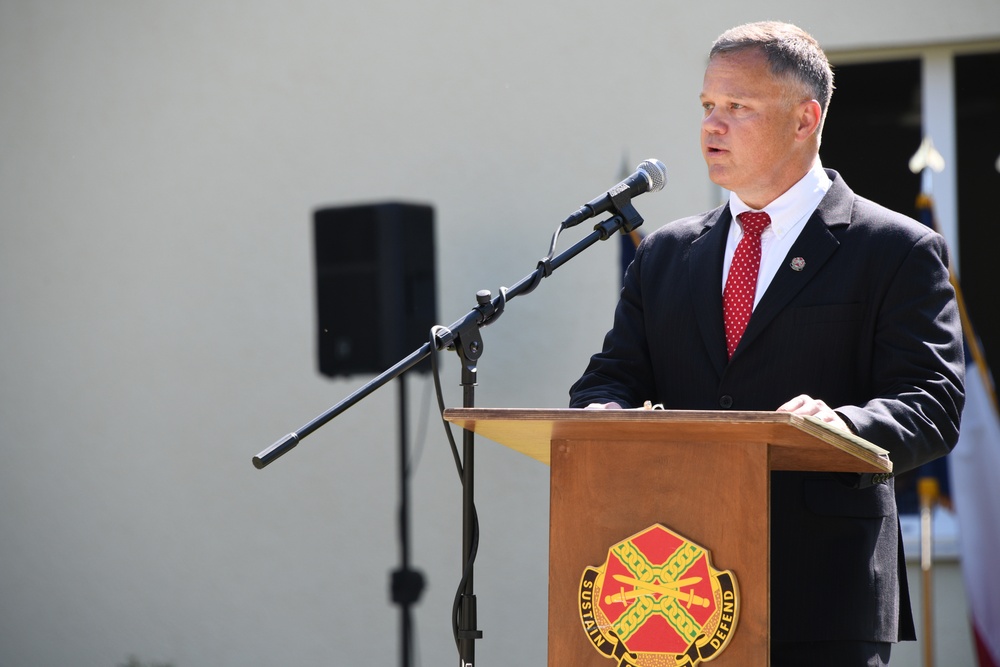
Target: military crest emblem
658	602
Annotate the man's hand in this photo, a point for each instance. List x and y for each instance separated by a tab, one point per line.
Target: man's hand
806	405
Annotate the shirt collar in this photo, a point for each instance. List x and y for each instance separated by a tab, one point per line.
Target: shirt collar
793	207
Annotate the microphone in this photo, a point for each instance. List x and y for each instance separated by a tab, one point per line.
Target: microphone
650	176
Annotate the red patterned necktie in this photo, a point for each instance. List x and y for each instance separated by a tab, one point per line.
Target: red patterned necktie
741	285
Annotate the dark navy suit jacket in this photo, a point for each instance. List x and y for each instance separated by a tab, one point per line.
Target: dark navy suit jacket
869	325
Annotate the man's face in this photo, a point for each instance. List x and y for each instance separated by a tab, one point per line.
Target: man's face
750	134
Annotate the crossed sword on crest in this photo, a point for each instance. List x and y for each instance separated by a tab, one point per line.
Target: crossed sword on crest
643	588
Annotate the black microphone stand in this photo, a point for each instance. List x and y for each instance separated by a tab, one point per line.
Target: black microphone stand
406	584
464	337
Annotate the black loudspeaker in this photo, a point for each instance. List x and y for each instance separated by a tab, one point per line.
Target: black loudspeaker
375	285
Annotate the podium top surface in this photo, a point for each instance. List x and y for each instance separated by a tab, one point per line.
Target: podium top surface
791	442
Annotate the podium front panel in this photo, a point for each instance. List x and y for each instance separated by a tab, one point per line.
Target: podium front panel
713	494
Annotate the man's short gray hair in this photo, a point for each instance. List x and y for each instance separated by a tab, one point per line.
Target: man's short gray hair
790	51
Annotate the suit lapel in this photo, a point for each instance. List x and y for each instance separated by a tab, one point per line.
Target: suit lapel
705	273
816	244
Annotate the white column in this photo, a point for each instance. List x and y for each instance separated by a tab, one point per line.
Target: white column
938	103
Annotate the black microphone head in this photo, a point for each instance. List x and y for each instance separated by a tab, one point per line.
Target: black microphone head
655	172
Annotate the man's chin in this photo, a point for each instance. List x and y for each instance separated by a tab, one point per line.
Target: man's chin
719	175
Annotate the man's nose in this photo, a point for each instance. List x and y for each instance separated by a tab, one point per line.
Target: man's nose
713	123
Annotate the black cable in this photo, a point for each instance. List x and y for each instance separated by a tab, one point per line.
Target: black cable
440	399
474	550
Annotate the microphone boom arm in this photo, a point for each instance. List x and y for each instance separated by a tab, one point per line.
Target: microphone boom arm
484	314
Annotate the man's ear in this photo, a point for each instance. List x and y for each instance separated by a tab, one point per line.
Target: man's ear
809	116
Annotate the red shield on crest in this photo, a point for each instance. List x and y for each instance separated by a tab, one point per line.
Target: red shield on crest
657	600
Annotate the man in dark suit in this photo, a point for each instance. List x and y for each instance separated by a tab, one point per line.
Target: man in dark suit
851	320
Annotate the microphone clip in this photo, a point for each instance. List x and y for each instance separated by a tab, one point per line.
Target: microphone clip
621	204
626	218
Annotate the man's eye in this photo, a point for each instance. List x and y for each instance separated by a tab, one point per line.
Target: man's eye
736	105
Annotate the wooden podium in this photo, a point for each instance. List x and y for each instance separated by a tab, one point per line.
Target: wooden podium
703	475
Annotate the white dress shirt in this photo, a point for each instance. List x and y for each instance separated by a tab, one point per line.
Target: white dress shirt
789	214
